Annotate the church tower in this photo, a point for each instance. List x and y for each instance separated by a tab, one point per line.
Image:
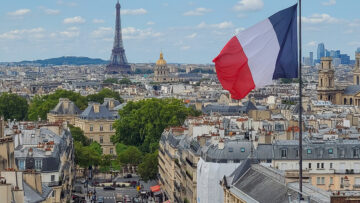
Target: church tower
357	69
326	86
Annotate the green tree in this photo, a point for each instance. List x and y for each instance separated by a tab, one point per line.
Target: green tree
132	156
125	81
142	123
148	169
120	147
78	135
96	147
13	106
106	162
110	81
86	155
41	105
104	93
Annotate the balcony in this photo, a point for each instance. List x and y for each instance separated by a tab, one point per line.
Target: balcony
190	163
356	186
189	175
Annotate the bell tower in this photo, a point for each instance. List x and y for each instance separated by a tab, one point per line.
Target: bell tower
326	84
357	69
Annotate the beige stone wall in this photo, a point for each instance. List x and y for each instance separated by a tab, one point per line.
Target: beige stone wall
7	154
101	136
260	114
70	119
337	183
5	193
231	198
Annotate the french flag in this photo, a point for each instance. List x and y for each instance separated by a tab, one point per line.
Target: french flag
260	54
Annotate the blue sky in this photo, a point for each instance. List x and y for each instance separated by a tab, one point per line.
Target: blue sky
186	31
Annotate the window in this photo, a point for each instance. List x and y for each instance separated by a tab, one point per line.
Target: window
111	127
330	151
320	180
38	164
309	165
355	152
101	139
111	151
309	151
91	128
52	177
101	128
283	153
318	165
53	193
322	165
297	152
331	180
331	165
21	164
357	181
242	149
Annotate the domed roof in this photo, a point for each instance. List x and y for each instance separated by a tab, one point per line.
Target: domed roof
161	61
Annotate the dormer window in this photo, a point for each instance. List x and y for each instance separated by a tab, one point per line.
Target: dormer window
283	153
309	151
330	151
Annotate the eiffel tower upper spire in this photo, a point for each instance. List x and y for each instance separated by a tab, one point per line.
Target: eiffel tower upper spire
118	61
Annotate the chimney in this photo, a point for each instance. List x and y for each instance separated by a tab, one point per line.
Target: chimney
33	179
221	144
111	102
96	107
65	102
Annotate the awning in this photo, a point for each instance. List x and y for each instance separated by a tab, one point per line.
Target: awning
155	188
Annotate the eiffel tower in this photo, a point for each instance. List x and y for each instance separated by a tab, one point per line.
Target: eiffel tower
118	62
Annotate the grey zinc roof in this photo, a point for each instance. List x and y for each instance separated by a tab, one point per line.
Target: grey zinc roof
107	101
262	188
264	152
352	89
72	109
32	196
90	114
232	151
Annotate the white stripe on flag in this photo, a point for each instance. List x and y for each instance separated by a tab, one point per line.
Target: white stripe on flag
261	47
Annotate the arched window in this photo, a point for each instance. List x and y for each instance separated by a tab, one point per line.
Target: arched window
329	98
357	80
350	101
345	101
321	82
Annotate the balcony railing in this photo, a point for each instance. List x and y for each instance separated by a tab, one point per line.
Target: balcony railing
190	163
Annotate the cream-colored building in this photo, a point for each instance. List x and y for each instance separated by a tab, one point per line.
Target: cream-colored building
97	123
327	89
162	72
65	110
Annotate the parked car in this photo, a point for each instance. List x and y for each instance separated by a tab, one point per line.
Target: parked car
109	188
78	198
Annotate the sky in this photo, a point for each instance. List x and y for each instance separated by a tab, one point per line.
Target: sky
186	31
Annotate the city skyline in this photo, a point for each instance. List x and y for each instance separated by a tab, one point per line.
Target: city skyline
189	32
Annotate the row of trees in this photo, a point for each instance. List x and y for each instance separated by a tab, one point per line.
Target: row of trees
13	106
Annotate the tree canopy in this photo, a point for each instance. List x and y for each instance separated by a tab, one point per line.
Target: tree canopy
87	155
13	106
148	169
41	105
141	123
132	155
78	135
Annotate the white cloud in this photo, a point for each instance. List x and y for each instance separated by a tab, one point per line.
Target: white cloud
20	12
192	36
70	4
51	11
139	11
102	32
319	18
20	34
134	33
249	5
222	25
311	44
197	12
71	32
329	3
354	43
76	19
150	23
238	30
98	21
185	48
355	23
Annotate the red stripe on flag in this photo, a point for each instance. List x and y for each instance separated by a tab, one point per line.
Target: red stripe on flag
233	70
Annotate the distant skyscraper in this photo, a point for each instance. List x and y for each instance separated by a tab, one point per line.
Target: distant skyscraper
320	51
327	53
311	56
357	51
118	61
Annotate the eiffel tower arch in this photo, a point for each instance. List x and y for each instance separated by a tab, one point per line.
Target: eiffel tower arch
118	62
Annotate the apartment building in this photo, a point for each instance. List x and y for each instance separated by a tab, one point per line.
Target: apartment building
65	110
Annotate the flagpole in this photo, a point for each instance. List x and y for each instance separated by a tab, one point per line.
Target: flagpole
300	105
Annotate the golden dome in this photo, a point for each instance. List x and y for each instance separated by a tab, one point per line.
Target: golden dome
161	61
